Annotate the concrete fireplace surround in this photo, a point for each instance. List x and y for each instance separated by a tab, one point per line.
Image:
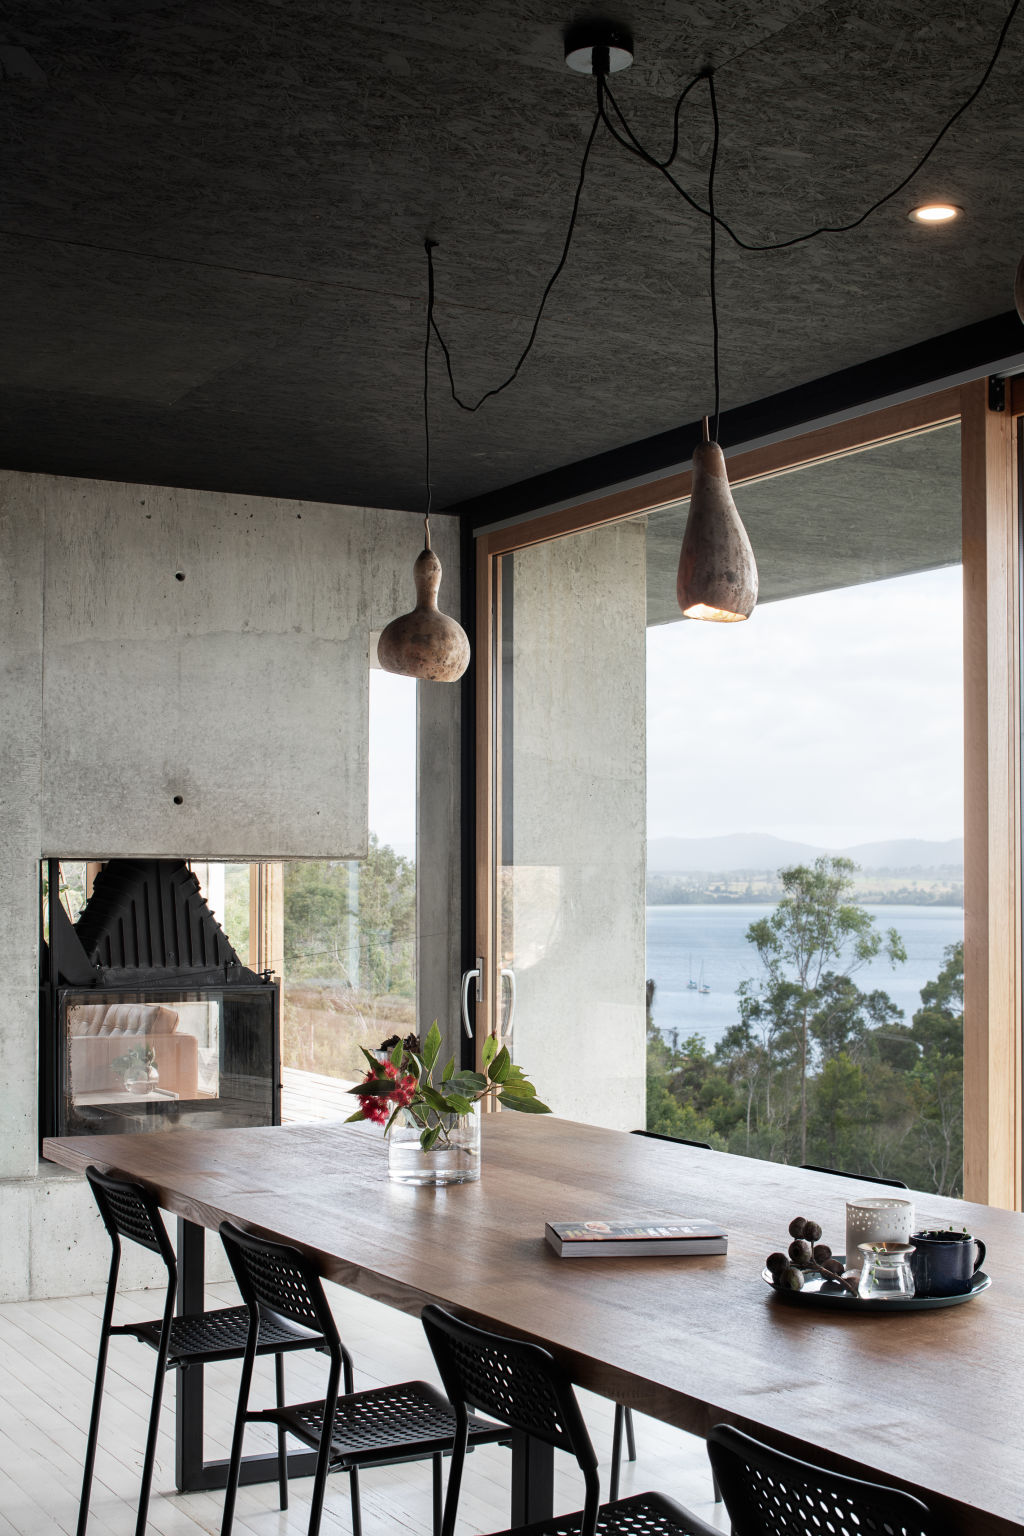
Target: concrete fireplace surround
185	673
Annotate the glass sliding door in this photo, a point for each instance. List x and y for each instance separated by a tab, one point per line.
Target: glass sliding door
568	820
569	852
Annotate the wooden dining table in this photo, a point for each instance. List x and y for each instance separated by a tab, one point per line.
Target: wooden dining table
928	1400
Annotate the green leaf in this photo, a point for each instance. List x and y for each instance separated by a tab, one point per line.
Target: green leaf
394	1116
523	1106
449	1071
431	1046
437	1101
468	1082
519	1088
489	1050
375	1065
457	1105
380	1088
357	1116
500	1067
415	1067
397	1054
428	1138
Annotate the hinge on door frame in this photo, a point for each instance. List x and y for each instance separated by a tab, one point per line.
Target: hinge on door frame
996	392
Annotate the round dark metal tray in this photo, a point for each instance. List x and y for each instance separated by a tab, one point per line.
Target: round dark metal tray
819	1292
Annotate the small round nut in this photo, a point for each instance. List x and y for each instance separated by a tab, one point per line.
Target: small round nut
811	1231
833	1266
800	1252
790	1279
797	1227
775	1263
822	1251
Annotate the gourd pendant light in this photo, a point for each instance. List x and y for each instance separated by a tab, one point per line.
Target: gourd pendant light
425	643
717	577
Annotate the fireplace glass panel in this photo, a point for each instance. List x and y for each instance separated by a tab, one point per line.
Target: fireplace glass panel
158	1059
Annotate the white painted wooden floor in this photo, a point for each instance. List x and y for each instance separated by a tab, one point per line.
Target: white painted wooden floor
47	1361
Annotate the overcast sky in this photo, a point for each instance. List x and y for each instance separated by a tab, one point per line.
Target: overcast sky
835	719
393	760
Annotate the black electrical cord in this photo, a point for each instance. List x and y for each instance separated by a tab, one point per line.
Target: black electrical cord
628	140
635	147
428	246
552	280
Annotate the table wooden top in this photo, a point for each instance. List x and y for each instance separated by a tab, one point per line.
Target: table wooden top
929	1400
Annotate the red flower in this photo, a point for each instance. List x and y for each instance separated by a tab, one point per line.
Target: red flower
377	1106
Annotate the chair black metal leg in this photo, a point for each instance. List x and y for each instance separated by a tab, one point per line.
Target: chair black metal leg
630	1437
438	1468
613	1480
97	1395
714	1484
235	1463
150	1456
323	1458
282	1439
357	1509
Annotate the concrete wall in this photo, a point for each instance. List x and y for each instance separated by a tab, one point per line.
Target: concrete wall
243	688
574	892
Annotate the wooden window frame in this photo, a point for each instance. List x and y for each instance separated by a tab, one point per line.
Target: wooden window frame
992	720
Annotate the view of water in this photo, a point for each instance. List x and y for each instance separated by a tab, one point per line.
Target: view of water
682	939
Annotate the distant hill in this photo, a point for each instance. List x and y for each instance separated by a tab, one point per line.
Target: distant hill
761	851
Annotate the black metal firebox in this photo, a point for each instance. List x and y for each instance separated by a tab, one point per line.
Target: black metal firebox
148	1019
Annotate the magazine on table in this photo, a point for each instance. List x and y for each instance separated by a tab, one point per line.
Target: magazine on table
650	1236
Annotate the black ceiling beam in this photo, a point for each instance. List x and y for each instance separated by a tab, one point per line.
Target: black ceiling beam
972	351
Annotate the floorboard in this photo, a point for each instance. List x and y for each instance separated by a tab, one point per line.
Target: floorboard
47	1361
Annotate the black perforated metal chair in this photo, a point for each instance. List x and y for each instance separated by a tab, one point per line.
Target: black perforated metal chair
865	1178
348	1430
523	1386
130	1211
623	1422
768	1493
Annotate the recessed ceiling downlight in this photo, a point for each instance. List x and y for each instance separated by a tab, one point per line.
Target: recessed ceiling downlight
935	213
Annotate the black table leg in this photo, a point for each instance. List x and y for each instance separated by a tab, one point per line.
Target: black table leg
192	1471
533	1480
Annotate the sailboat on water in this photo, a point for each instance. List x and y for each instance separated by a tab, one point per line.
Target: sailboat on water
691	985
702	986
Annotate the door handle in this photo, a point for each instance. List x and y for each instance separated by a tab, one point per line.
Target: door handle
478	997
510	1021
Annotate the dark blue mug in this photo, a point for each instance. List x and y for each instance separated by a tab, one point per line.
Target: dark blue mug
943	1263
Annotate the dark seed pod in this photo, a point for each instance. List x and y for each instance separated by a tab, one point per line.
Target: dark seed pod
811	1231
776	1262
797	1227
800	1252
833	1266
790	1279
822	1251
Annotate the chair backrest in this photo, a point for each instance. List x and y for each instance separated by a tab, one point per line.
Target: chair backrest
517	1383
865	1178
770	1494
130	1210
274	1277
680	1141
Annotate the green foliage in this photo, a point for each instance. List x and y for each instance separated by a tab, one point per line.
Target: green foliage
815	1069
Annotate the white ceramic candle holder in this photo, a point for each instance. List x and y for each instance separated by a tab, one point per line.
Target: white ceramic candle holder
879	1220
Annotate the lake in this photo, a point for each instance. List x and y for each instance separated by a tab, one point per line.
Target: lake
682	939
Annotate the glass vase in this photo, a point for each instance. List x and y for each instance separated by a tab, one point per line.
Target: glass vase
453	1159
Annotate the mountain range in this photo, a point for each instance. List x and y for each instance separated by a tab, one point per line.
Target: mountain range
760	851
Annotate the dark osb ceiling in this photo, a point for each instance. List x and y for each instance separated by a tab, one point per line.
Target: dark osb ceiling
213	213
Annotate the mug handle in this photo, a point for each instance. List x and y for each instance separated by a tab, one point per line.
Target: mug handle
979	1261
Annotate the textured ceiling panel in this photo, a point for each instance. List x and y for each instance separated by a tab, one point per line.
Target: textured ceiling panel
211	231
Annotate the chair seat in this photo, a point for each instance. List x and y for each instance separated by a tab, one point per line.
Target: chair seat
206	1337
386	1424
644	1514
